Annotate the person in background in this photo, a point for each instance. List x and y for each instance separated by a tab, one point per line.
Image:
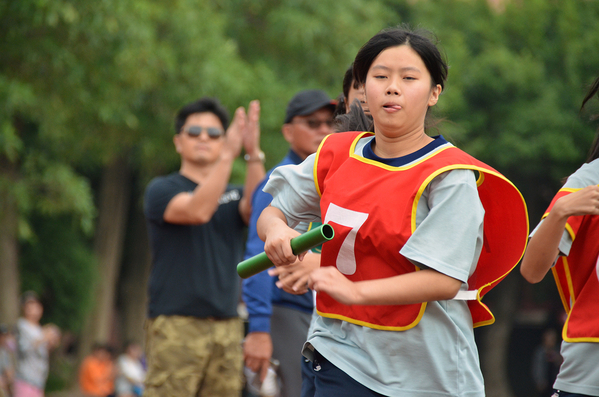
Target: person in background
97	372
7	369
294	278
546	361
34	343
196	224
351	91
279	321
565	241
131	373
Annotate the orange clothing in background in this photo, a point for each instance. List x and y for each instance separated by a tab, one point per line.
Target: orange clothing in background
96	377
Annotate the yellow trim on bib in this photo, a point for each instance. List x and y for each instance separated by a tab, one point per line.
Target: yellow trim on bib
571	307
479	182
377	326
315	169
560	290
375	163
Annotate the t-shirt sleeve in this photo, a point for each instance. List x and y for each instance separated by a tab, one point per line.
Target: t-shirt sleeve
260	200
159	193
564	244
449	226
294	192
257	290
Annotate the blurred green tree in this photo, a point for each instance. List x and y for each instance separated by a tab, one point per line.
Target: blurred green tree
98	85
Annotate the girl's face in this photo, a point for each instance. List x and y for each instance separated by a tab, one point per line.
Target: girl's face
356	93
399	91
33	311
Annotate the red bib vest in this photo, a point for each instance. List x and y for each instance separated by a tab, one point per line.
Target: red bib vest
372	208
577	277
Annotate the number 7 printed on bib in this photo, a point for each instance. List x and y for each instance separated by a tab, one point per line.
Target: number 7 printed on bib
346	258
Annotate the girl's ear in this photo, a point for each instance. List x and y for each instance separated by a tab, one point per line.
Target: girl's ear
435	92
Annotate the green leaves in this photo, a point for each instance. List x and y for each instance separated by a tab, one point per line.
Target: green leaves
84	82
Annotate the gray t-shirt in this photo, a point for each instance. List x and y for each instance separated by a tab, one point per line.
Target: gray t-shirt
579	373
438	357
32	356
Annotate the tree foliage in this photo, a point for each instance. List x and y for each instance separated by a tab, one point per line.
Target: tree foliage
516	81
59	262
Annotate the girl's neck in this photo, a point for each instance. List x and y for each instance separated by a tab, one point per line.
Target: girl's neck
32	321
393	146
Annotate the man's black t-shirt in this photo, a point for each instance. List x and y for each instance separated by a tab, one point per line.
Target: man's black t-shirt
194	266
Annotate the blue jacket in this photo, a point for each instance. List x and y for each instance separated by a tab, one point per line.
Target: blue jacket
260	291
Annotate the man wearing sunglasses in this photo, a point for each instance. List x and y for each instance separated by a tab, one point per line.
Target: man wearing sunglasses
279	321
196	223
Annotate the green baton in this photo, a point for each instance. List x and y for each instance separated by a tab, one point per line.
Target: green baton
299	244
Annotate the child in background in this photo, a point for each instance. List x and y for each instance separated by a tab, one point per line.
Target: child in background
131	373
34	343
7	370
566	241
97	373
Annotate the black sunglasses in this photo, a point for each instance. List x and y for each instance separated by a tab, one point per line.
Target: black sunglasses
315	124
196	130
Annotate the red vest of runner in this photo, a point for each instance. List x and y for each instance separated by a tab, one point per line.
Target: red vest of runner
372	208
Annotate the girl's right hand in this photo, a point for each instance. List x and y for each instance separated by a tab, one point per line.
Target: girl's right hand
583	202
294	278
277	244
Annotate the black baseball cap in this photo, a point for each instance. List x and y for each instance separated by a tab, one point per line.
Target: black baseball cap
307	102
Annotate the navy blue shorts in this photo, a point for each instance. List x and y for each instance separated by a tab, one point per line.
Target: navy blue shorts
307	378
331	381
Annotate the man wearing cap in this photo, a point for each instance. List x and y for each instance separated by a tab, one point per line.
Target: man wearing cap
279	321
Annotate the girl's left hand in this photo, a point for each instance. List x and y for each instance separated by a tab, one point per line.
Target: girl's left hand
294	278
330	280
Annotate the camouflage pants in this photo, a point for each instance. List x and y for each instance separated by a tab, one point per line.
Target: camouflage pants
190	357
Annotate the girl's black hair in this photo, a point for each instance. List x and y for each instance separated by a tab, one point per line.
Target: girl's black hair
393	37
348	79
354	120
594	152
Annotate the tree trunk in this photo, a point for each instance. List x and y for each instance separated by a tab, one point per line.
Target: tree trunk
496	337
9	252
134	279
113	206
